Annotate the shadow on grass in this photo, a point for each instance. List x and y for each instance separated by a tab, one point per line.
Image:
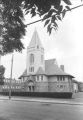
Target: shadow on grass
2	118
45	104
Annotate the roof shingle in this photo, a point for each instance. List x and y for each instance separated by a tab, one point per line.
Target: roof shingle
51	68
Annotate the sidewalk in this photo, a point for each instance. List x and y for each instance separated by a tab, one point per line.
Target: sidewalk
44	100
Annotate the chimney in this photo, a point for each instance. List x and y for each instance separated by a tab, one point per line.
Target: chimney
62	67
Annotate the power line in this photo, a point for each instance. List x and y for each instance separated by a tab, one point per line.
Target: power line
55	14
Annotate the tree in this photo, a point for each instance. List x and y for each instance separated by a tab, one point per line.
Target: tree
13	27
2	71
12	15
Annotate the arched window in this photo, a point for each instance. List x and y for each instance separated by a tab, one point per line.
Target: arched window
37	77
31	58
31	69
41	77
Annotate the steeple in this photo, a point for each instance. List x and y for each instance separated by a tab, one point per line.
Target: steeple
35	41
35	55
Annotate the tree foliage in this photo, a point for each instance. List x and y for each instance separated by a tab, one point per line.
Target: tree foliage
13	27
2	71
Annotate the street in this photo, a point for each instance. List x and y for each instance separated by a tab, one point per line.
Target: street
21	110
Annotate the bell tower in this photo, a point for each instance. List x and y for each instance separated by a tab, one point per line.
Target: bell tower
35	55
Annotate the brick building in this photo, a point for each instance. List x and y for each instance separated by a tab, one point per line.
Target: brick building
15	85
75	85
43	75
80	86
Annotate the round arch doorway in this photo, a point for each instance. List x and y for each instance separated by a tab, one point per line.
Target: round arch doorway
31	87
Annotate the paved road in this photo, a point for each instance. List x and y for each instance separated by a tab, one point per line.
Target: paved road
26	109
19	110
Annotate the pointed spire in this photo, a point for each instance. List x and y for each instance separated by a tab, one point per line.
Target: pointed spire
35	40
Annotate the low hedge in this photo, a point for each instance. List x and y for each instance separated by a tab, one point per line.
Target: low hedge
40	94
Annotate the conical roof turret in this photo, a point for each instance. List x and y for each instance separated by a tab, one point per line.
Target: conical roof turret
35	41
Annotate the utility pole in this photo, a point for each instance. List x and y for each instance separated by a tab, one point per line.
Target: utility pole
0	59
11	76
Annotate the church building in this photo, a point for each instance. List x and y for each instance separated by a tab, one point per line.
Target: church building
43	75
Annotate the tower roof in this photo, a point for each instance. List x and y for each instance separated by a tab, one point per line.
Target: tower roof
35	40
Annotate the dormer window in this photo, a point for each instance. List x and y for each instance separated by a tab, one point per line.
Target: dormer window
41	77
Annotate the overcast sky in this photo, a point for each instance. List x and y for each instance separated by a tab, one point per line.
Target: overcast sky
66	45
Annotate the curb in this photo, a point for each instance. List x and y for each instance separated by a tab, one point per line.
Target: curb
49	102
44	101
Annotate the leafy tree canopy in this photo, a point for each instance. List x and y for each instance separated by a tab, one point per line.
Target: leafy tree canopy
12	27
2	71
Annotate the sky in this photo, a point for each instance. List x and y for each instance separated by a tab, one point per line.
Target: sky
65	45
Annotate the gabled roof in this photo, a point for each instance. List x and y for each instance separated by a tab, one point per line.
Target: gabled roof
35	40
40	71
75	81
51	68
24	74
